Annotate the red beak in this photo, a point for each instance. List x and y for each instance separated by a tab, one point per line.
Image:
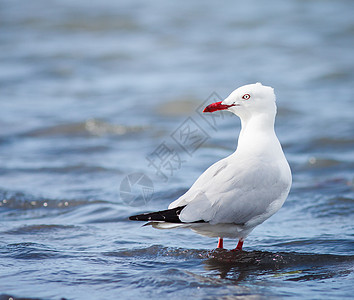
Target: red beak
216	106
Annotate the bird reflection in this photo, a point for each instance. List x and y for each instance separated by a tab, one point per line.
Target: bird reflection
239	264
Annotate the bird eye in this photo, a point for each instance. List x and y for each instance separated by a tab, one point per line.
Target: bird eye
246	96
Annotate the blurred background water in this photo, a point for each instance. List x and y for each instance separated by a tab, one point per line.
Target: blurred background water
92	92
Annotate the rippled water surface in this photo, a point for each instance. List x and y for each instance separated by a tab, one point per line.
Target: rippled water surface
92	93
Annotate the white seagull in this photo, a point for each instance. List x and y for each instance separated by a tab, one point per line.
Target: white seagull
241	191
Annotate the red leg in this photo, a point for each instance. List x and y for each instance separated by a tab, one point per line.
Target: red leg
239	245
220	243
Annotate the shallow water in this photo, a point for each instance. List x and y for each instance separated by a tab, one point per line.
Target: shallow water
89	95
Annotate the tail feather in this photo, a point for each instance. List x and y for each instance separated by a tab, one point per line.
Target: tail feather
168	225
168	215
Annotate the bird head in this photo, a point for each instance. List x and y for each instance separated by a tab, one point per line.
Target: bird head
247	100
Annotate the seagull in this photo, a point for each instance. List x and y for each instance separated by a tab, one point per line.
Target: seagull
241	191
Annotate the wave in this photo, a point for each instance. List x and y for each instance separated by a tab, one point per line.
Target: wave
237	265
262	259
91	127
20	200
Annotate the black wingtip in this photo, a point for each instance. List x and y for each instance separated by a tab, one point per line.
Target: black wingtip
168	215
135	218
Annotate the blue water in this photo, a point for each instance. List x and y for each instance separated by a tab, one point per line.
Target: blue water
91	93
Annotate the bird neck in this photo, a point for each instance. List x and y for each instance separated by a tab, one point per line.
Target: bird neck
257	135
263	122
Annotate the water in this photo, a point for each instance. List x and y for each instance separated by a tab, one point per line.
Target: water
89	91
